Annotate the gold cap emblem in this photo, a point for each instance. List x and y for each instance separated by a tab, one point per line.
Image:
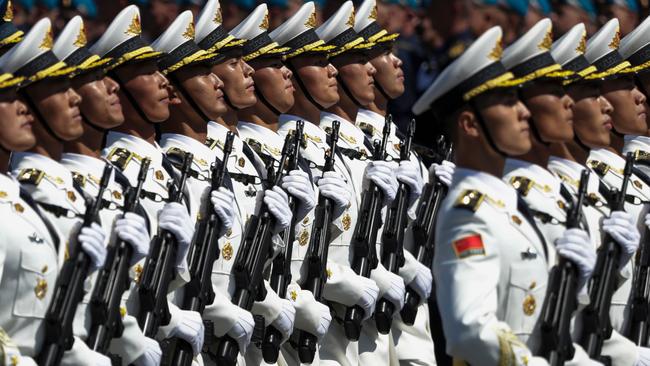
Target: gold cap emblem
547	42
373	13
46	43
265	21
311	21
497	51
134	28
616	40
218	18
582	46
350	21
81	37
9	12
189	31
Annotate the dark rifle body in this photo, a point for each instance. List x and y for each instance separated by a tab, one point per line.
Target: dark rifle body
596	322
201	256
392	238
281	269
159	268
561	297
318	250
364	239
250	261
113	280
69	289
424	232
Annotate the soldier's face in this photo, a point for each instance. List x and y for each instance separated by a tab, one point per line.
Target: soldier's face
644	80
148	87
592	122
507	118
567	17
357	73
390	75
237	77
551	110
16	123
319	77
629	113
205	88
58	103
99	100
273	80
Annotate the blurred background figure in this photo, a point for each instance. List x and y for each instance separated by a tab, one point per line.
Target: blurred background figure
627	12
571	12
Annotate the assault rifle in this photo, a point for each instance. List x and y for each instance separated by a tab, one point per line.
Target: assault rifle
113	280
251	259
561	302
159	269
281	270
423	231
69	289
201	256
364	239
597	326
318	249
392	238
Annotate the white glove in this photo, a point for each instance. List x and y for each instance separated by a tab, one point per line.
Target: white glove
391	286
175	218
190	328
242	329
285	320
620	225
443	172
345	287
409	174
298	184
152	354
382	173
223	203
333	186
277	202
98	359
575	245
311	316
132	228
92	240
643	358
423	281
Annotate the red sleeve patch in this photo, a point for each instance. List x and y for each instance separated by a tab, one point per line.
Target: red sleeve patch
469	246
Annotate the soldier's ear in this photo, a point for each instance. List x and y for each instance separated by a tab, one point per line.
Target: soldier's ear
467	124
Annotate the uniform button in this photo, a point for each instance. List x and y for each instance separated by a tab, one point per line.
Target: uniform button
19	208
241	162
117	195
516	219
303	238
532	285
226	251
44	269
294	295
122	311
347	221
560	204
529	305
3	194
229	232
138	272
306	220
41	288
637	184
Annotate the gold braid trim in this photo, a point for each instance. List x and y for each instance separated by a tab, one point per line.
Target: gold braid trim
490	84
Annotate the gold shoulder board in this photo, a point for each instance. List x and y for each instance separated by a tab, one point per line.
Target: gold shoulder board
469	199
120	157
31	176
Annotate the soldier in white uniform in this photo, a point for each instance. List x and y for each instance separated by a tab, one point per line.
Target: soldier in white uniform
490	257
144	98
314	81
591	127
246	169
414	345
354	83
627	117
28	249
258	127
100	110
46	180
